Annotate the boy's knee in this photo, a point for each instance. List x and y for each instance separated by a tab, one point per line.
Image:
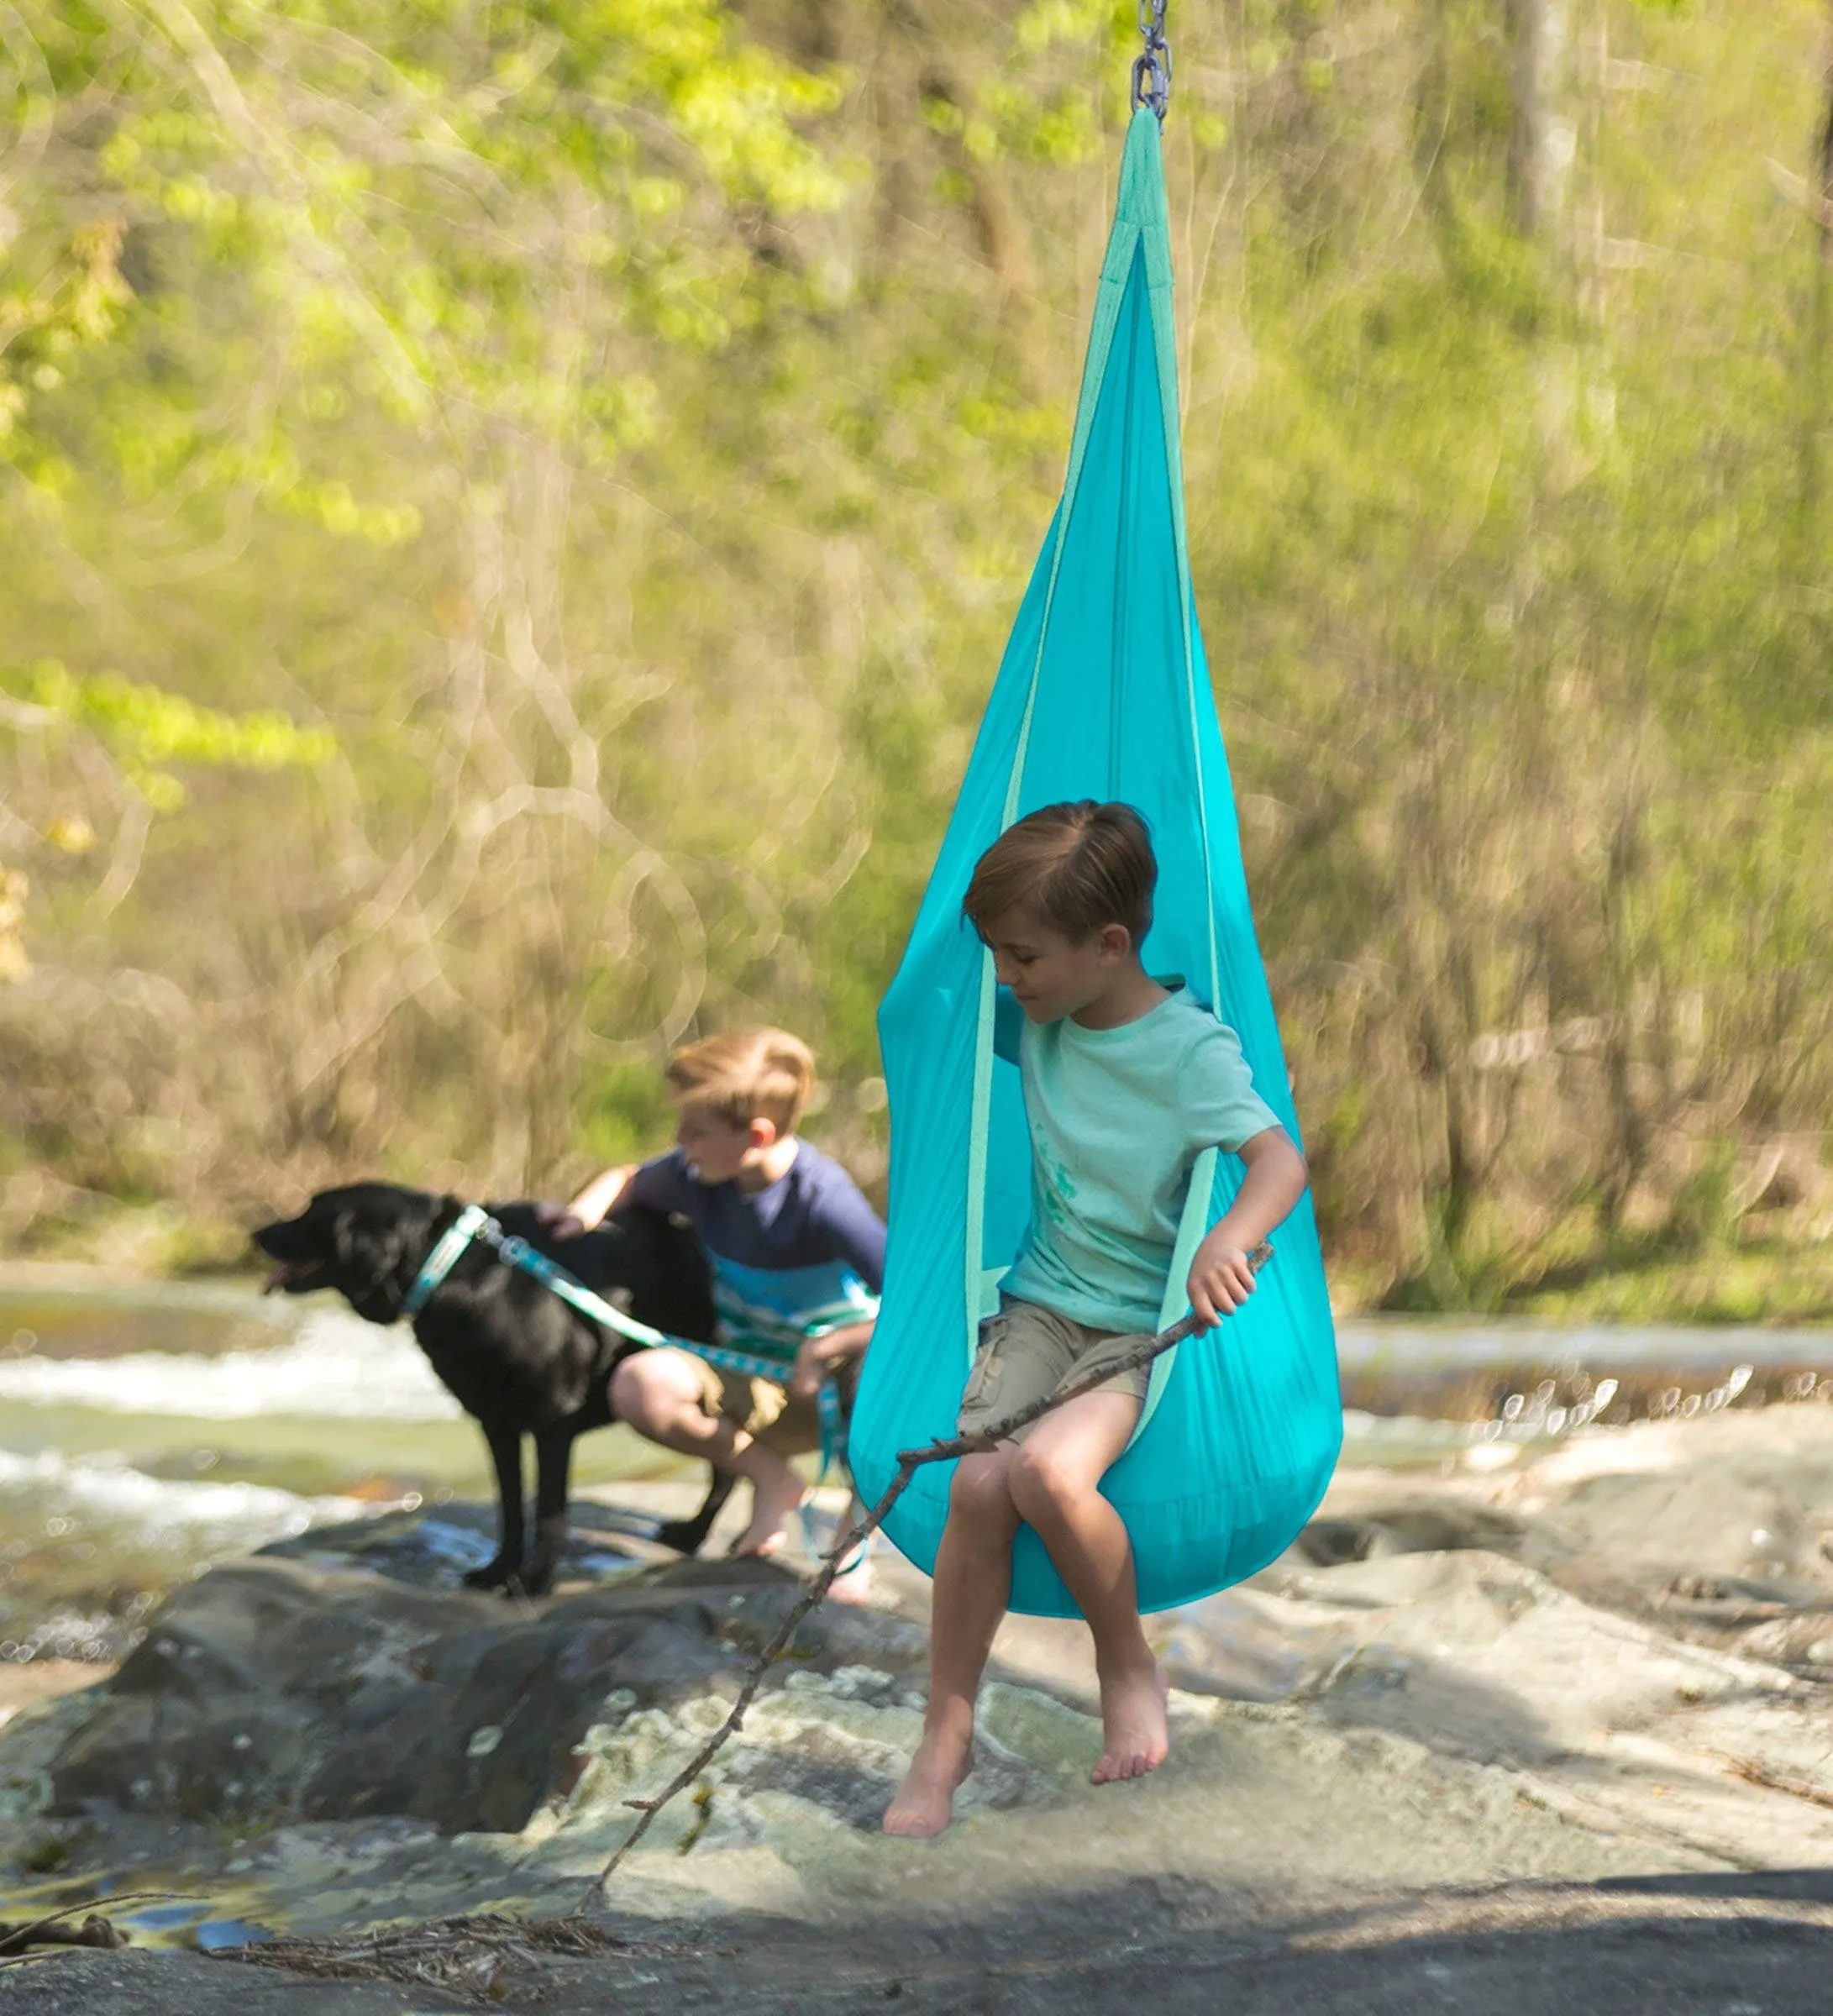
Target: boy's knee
980	1490
626	1392
641	1392
1043	1473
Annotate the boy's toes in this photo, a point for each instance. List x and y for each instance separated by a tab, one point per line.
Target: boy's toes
1112	1769
918	1819
1133	1711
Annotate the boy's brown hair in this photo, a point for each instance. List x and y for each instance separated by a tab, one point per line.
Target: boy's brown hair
1076	867
744	1075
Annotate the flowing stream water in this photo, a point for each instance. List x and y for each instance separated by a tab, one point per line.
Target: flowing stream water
149	1428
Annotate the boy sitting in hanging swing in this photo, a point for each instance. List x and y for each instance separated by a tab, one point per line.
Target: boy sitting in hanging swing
1126	1081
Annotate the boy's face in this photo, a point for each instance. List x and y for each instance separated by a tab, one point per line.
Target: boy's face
1051	975
716	1151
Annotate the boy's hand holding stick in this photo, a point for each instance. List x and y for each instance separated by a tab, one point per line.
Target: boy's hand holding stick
909	1462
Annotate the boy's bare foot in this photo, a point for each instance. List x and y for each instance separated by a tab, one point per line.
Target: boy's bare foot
774	1497
925	1801
1135	1735
854	1584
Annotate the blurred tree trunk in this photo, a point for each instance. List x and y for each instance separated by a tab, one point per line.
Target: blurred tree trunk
1623	1149
1004	240
1542	140
1814	419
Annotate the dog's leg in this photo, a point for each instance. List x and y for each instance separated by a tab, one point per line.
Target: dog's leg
689	1536
505	1452
553	1464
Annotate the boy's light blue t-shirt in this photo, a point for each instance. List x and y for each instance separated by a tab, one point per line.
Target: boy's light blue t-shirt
1118	1118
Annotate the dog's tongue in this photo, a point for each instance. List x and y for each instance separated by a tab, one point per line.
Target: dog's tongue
280	1276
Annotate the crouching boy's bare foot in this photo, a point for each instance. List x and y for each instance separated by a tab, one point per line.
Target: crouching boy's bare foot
925	1801
769	1517
1134	1732
775	1493
855	1583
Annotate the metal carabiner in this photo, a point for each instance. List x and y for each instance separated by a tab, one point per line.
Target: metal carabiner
1152	68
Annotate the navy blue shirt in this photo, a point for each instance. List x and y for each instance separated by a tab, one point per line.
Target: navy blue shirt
803	1256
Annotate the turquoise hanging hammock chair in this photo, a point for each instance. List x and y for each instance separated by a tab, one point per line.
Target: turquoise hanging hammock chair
1103	693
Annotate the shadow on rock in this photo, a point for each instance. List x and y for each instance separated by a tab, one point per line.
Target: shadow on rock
1420	1529
1185	1950
435	1546
1641	1947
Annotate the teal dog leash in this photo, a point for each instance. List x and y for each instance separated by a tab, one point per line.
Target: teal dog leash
475	1223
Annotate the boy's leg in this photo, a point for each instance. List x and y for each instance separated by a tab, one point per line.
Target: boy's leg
974	1576
1054	1483
664	1395
775	1493
855	1583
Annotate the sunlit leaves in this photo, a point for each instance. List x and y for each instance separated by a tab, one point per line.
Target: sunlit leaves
45	320
401	192
153	733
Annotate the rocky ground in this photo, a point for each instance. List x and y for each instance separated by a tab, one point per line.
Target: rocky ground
1511	1732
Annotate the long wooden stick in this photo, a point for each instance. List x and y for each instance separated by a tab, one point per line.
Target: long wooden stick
909	1462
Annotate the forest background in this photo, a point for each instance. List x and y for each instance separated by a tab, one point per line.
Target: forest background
511	511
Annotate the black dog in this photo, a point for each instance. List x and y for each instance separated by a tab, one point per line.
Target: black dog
512	1354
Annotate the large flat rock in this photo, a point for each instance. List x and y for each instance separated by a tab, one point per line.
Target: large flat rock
272	1690
1506	1737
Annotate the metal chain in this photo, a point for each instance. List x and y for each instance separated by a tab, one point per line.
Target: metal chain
1151	70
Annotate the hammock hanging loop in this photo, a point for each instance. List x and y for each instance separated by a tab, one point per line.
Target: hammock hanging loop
1152	68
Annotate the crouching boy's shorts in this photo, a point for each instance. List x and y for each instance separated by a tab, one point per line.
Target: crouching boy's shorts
789	1423
1028	1352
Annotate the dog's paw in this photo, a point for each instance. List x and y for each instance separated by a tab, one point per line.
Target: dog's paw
494	1575
685	1536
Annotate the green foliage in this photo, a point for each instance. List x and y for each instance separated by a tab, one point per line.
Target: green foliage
149	731
78	301
627	430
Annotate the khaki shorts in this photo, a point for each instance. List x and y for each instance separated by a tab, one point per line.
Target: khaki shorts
787	1422
1027	1353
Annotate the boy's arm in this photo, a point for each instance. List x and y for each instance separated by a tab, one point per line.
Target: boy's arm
1221	1279
856	1234
594	1203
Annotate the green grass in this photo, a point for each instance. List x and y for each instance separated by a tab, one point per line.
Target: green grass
1764	1284
1625	1281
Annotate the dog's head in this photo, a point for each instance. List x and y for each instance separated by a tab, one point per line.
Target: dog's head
367	1241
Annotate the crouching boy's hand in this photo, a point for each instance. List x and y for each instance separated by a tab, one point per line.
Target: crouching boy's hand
1222	1278
826	1353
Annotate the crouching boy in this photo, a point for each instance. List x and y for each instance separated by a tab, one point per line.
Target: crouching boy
797	1257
